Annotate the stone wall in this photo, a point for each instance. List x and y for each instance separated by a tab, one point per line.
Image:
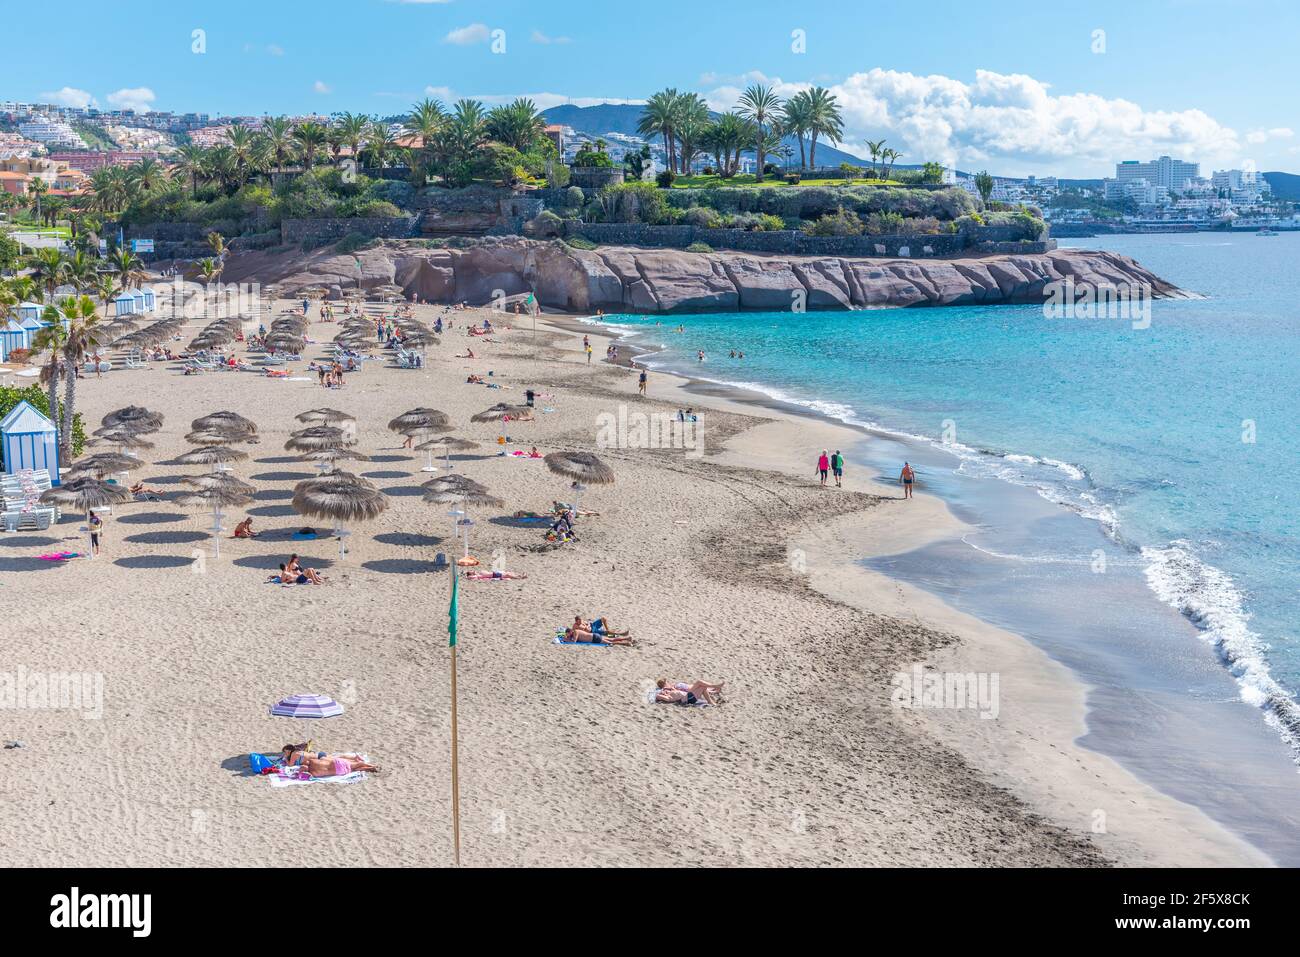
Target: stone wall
789	242
595	177
322	231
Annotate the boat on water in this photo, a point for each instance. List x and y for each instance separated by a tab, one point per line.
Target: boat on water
1266	232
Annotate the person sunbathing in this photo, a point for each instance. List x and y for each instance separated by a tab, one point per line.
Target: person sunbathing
139	489
322	765
245	529
533	453
295	574
475	379
469	354
585	636
496	576
688	694
599	626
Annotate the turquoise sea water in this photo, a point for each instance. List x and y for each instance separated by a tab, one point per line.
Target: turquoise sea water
1180	441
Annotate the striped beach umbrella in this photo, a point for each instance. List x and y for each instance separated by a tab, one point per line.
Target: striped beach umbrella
307	706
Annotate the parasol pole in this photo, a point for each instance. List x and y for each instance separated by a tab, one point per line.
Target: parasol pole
453	622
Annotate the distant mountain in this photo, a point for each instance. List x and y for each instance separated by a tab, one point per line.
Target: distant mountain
1285	185
623	118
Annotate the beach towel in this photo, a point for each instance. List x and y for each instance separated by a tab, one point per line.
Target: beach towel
59	556
283	780
559	640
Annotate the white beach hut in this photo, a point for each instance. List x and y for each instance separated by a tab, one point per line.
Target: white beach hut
147	299
12	336
32	311
29	440
125	304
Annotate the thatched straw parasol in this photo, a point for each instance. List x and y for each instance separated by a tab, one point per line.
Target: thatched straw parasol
341	498
319	437
121	438
328	458
220	480
583	468
462	491
286	342
211	455
324	416
85	494
104	463
503	411
420	340
135	417
417	419
226	422
215	498
220	436
445	445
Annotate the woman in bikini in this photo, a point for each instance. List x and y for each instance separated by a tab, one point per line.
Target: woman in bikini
599	626
322	765
688	694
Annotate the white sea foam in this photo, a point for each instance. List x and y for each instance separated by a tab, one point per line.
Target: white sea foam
1209	598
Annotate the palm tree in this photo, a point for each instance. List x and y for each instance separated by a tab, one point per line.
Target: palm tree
760	105
659	118
128	267
278	131
105	288
209	269
824	119
310	137
146	176
426	121
352	129
889	156
37	188
80	270
692	119
240	141
518	124
796	119
380	143
188	163
49	269
50	338
84	334
875	147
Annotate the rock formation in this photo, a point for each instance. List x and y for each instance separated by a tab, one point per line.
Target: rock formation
624	279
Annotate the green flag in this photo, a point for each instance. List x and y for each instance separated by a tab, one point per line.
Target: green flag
453	613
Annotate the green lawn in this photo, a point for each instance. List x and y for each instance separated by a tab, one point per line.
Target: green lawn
747	179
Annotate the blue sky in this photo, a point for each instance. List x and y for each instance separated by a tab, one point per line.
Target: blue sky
1014	86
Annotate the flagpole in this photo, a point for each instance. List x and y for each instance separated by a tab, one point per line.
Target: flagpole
455	750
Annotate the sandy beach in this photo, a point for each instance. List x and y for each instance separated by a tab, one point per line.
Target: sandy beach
732	565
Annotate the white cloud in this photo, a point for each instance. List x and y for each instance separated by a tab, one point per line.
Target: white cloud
1263	136
320	87
69	96
439	92
139	98
1010	122
275	49
540	37
466	36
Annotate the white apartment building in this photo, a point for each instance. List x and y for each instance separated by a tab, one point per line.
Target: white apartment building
42	129
1171	174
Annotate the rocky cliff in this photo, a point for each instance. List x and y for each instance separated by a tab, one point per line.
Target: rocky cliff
624	279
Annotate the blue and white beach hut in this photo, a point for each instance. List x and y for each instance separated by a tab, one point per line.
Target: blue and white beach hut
32	311
147	298
29	441
125	304
12	336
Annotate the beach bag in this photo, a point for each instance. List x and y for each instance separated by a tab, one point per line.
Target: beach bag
260	763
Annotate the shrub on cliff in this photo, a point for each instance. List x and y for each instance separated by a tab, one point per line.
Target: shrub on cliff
580	242
545	225
842	222
574	197
702	217
634	203
699	248
353	242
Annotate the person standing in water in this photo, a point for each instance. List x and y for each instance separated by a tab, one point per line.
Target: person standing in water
823	466
907	477
837	466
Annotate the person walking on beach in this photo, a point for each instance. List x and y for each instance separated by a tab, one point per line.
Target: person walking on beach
907	477
823	466
837	466
588	353
96	529
641	382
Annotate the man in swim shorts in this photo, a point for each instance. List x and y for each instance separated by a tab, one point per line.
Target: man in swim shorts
837	466
908	477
